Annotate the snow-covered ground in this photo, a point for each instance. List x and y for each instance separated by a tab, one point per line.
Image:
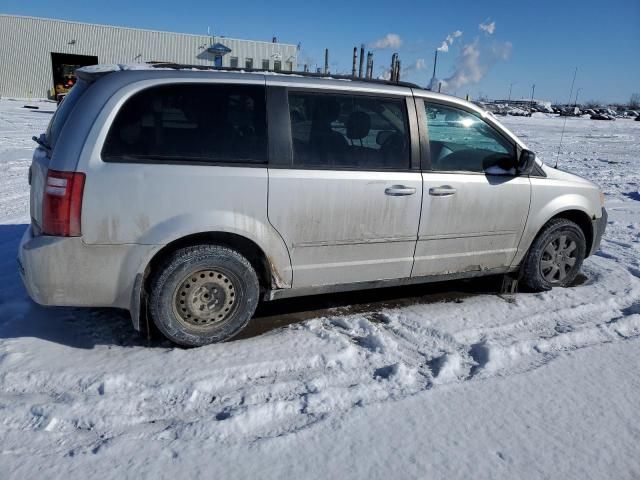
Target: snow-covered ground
468	384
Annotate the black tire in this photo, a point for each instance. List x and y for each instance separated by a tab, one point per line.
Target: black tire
203	294
549	261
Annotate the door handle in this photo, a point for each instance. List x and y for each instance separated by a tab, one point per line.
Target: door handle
399	190
443	191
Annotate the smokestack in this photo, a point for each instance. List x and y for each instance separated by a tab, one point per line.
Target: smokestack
398	71
394	59
435	62
369	65
439	86
326	61
361	60
355	59
306	68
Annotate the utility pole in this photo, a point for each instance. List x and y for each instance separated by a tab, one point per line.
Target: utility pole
533	89
575	104
510	87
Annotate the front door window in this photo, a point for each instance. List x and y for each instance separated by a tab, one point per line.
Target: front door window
461	141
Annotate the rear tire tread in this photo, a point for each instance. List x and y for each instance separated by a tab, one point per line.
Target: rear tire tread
174	267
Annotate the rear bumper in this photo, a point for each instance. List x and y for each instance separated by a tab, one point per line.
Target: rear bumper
64	271
599	226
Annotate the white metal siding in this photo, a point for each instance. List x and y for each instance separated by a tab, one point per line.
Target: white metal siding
26	44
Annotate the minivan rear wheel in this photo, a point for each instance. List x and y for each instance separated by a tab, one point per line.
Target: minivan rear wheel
203	294
556	255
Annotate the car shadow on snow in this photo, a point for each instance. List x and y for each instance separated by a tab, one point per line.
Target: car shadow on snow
87	327
20	317
279	313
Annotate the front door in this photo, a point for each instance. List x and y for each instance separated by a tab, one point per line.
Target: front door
474	206
348	206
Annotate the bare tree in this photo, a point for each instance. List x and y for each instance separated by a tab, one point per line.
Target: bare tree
634	101
593	104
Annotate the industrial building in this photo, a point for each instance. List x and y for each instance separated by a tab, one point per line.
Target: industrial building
39	55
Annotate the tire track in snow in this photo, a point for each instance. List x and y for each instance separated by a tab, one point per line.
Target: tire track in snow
324	368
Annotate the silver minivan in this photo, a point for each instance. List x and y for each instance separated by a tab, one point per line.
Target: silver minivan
187	196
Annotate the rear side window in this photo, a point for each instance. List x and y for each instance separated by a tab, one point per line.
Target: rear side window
191	123
461	141
349	131
63	112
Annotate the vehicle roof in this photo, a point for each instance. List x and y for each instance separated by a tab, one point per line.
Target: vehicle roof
171	70
128	73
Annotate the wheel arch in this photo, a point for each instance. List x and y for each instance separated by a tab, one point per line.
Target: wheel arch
536	223
580	218
267	276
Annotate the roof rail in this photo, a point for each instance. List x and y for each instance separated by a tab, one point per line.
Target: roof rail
179	66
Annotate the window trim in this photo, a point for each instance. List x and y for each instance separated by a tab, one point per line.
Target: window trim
278	161
150	160
424	136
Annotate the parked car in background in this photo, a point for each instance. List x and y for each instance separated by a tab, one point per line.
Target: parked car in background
602	116
570	112
186	197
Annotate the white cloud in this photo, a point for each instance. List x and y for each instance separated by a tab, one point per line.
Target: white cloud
449	41
390	40
488	28
419	64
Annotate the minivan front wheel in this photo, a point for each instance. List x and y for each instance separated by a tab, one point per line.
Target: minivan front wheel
556	255
203	294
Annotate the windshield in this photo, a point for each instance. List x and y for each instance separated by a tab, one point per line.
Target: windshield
63	111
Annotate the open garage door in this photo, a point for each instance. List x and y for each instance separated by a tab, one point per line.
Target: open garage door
64	66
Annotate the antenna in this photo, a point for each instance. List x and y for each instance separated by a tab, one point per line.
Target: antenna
565	118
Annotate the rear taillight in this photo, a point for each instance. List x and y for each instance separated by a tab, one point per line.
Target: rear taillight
62	203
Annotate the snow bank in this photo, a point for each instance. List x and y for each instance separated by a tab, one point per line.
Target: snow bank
456	386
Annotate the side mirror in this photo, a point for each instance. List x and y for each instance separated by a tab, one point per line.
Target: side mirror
526	162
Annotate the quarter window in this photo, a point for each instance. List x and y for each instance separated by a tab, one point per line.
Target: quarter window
461	141
349	131
190	123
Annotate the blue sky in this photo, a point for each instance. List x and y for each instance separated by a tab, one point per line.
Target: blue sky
537	42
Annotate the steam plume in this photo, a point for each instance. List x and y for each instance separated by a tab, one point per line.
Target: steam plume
474	62
447	42
488	28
